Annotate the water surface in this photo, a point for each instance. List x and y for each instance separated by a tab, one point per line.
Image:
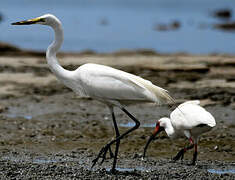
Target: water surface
111	25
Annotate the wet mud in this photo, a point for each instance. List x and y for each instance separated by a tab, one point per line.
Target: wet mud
47	132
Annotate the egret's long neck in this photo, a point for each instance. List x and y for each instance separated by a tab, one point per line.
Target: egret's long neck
54	65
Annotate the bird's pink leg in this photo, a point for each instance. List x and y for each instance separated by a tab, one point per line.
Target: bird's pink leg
194	155
188	148
191	140
180	154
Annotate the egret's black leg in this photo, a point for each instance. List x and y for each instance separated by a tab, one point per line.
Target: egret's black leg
117	140
117	143
111	153
117	134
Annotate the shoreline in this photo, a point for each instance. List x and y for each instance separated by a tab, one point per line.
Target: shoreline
12	50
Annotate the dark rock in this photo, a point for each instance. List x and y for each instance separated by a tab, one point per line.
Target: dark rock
166	27
4	47
223	13
144	52
230	26
1	17
3	108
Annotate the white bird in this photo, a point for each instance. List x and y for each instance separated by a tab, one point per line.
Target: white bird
108	85
188	119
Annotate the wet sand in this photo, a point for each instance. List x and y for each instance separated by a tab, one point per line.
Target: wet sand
48	132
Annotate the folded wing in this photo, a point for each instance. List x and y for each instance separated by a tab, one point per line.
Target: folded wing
109	83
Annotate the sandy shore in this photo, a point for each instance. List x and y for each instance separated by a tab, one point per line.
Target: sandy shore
48	132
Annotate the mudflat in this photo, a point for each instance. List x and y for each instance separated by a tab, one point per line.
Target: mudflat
46	131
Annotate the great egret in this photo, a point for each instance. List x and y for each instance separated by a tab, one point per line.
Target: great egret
106	84
188	119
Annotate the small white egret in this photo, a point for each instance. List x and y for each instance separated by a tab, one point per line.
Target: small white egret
108	85
188	119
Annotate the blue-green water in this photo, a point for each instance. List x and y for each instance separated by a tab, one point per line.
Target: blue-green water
129	25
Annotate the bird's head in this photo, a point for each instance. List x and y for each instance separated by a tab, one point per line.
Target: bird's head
47	19
160	126
163	123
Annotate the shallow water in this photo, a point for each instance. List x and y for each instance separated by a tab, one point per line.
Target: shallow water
44	161
19	115
129	24
128	169
131	124
221	171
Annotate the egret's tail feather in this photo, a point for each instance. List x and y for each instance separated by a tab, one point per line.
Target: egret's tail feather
158	95
163	96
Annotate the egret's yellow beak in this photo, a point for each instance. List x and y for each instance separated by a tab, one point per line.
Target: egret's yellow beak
28	22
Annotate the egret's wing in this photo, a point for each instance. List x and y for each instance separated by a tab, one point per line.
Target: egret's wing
109	83
190	115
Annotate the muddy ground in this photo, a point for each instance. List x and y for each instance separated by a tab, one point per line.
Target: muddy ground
46	132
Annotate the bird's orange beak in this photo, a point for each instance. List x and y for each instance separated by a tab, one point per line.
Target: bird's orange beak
156	131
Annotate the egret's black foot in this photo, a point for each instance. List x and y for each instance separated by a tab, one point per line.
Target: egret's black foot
179	155
113	171
102	154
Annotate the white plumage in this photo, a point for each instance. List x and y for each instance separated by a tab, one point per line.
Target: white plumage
188	119
188	116
109	84
103	83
